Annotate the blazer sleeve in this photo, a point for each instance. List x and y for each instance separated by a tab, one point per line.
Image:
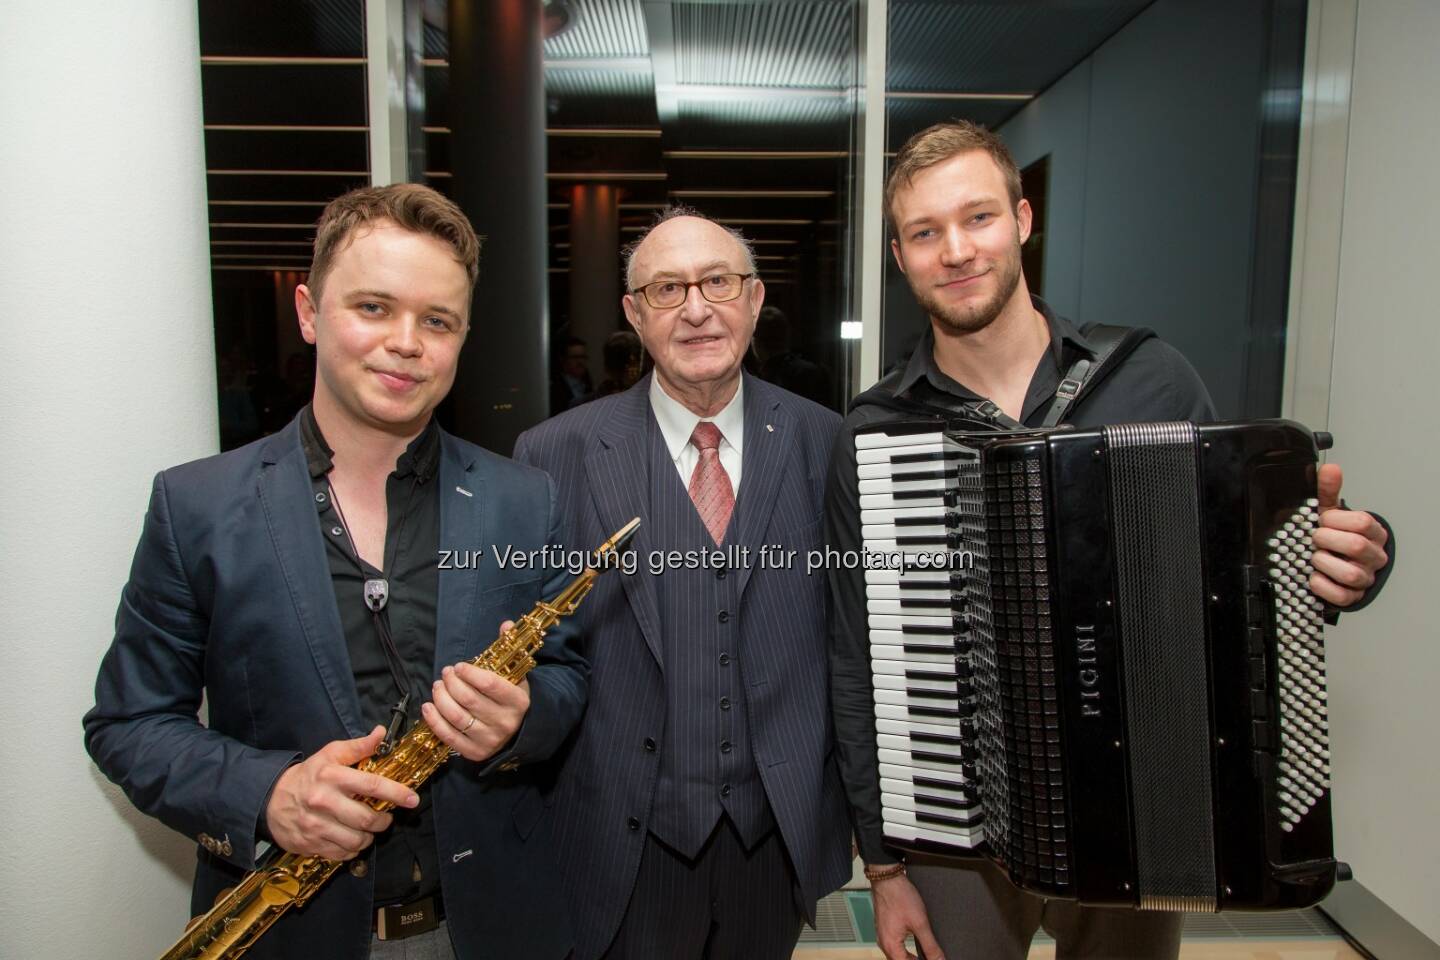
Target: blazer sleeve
144	731
559	684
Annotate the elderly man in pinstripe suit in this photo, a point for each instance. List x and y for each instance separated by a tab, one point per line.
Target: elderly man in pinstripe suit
698	808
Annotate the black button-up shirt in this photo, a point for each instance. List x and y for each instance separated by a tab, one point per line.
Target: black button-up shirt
406	863
1153	383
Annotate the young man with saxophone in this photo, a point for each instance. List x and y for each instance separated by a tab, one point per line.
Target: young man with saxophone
295	585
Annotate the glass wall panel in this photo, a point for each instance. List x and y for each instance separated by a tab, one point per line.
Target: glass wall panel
739	110
285	132
1163	137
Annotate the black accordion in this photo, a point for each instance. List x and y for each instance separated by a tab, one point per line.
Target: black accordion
1096	658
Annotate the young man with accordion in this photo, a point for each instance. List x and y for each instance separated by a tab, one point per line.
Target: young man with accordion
965	699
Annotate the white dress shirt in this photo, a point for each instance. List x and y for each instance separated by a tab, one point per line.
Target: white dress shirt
677	424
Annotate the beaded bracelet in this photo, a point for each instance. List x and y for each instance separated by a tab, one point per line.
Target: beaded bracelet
876	874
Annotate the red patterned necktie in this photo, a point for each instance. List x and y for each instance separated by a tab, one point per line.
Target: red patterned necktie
710	488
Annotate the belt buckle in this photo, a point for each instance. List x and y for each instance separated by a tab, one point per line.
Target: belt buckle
406	919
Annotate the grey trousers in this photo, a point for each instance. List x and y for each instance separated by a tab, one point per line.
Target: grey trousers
434	945
977	913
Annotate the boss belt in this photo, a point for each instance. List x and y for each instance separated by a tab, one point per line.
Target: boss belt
401	920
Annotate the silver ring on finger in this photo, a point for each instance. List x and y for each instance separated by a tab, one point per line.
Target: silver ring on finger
466	728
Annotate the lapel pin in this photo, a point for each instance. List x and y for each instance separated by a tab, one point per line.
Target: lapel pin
769	428
464	491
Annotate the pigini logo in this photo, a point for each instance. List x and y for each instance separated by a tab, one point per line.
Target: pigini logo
1089	674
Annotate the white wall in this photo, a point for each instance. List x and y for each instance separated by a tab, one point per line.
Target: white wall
1385	662
108	376
1057	124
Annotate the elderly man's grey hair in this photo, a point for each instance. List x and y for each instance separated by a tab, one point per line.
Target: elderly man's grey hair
671	212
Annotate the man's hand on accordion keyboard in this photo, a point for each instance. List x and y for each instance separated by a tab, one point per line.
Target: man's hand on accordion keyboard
1349	545
900	912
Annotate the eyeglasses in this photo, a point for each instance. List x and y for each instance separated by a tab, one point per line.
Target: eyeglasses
717	288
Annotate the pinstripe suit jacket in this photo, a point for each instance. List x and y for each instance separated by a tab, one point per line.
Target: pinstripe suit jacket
598	455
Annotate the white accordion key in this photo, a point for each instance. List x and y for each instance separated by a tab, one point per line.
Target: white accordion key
879	438
905	824
899	681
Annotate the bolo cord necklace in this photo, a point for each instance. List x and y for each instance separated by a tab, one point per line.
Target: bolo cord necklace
377	599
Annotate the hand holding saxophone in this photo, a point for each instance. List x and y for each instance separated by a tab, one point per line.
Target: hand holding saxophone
475	712
313	810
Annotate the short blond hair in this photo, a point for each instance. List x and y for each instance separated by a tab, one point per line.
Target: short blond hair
409	206
939	143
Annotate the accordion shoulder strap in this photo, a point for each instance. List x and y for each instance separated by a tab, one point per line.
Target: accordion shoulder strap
1112	344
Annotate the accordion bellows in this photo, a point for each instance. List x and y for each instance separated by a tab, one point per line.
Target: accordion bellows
1096	659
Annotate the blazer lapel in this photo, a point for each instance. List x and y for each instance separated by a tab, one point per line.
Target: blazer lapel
462	527
767	444
615	468
284	490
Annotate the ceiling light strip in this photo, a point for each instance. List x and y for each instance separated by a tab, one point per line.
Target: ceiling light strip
267	203
641	133
608	175
286	128
774	194
289	173
939	95
302	257
260	243
737	91
609	133
607	64
275	267
282	61
755	154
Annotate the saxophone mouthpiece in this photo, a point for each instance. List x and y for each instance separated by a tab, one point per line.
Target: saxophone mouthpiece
618	539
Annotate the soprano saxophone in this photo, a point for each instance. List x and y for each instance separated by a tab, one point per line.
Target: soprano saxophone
241	916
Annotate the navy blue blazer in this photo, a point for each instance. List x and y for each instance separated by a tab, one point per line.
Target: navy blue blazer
230	596
598	454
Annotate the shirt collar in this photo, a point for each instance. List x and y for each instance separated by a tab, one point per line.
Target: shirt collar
922	362
421	456
677	423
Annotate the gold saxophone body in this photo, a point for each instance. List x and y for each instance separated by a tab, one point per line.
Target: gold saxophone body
242	915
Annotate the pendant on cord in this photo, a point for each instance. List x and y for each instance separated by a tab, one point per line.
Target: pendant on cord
377	594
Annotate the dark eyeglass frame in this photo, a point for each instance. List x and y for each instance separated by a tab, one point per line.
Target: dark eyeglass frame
645	289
